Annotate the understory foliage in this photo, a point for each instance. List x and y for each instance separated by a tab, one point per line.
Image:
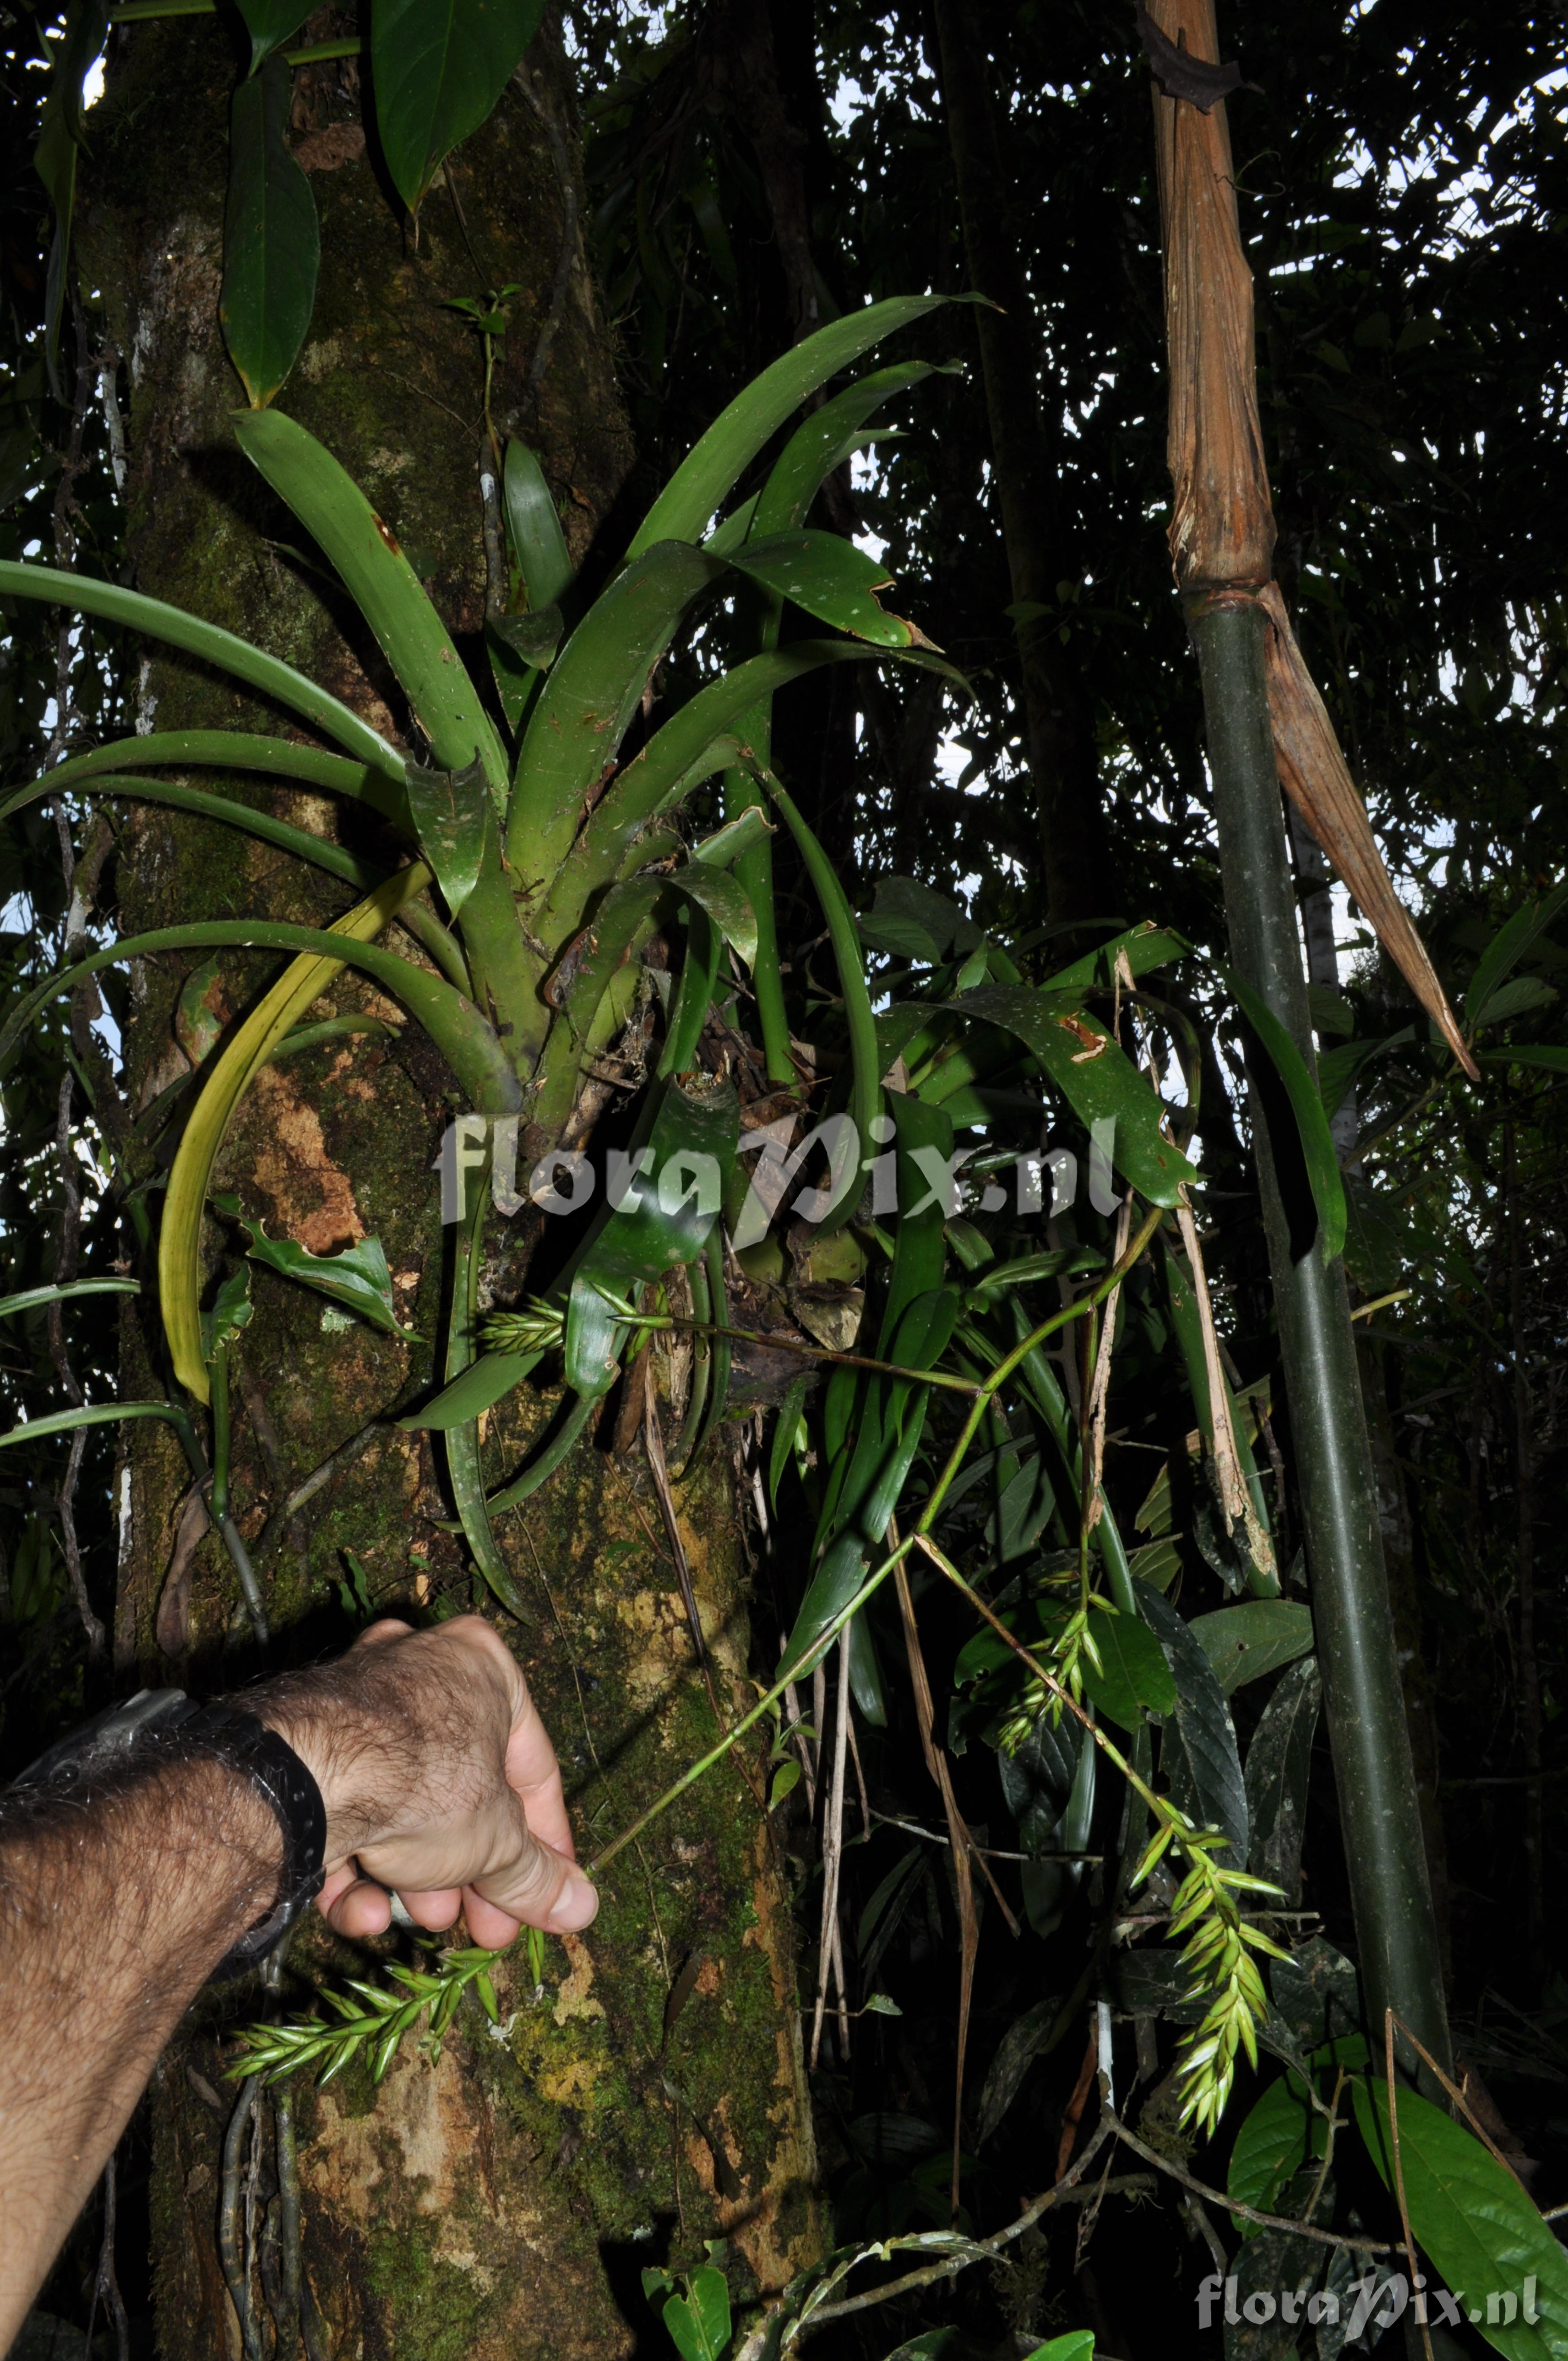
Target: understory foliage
706	830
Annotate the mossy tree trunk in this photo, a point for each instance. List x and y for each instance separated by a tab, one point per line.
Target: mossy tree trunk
500	2202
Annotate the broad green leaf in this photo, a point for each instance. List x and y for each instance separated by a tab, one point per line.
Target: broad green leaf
272	238
698	2321
230	1314
865	1083
705	478
589	695
269	23
1508	946
670	1204
815	448
384	587
1136	1678
225	749
724	899
1337	1069
473	1390
451	810
1311	1122
1049	1886
179	1238
1330	1011
1024	1511
66	1422
914	921
787	1779
1244	1642
1514	998
1278	1768
1474	2222
688	747
212	643
1078	2344
438	68
786	1429
1548	1059
1198	1752
1098	1079
31	1298
60	141
831	579
357	1277
1142	948
1271	2144
533	529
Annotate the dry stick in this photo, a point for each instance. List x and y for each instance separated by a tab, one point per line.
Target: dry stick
860	1780
818	1721
344	1456
1076	2104
959	1836
984	2250
1462	2103
1076	1309
969	1922
1234	2205
832	1847
1234	1494
1399	2169
1100	1391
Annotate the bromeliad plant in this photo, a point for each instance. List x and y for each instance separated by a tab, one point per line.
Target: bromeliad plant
546	840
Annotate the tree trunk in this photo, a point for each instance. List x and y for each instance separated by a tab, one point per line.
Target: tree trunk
503	2200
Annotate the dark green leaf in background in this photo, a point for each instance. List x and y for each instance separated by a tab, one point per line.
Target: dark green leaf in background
1278	1765
830	578
439	66
272	238
1244	1642
269	24
1270	2144
60	140
1311	1122
1198	1752
450	810
1474	2220
1137	1678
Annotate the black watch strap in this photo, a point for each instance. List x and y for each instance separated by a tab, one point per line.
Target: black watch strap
166	1722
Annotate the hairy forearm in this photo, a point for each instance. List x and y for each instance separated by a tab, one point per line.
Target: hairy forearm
114	1909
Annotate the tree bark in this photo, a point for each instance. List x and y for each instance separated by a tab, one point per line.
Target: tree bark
504	2200
1058	725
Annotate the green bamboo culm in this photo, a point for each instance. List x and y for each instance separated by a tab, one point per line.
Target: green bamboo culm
1396	1928
1221	540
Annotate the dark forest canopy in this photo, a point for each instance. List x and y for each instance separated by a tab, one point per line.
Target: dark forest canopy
731	179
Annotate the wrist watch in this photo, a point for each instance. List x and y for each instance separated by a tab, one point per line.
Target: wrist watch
166	1723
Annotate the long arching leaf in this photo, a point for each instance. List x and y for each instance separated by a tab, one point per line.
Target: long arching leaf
865	1079
66	1422
813	450
589	697
32	1297
179	1241
300	841
214	645
223	750
384	587
705	478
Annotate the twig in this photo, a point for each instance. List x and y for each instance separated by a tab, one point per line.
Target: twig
1400	2168
983	2250
229	2250
832	1847
344	1456
1461	2102
1243	2213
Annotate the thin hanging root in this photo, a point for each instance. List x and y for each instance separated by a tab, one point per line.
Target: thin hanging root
805	1751
832	1850
962	1842
1235	1497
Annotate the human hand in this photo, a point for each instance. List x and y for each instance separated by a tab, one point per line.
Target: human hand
439	1780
